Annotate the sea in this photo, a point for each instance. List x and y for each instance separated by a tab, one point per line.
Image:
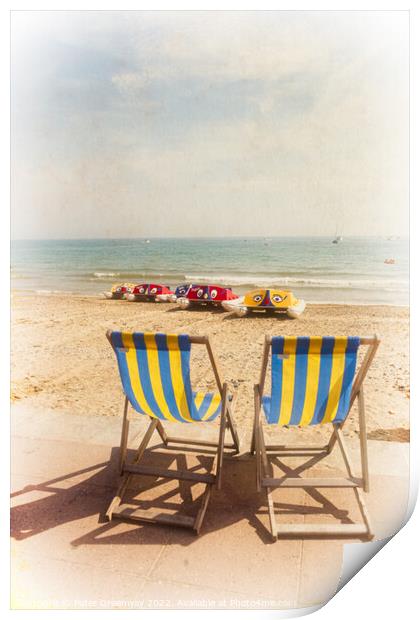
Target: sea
352	271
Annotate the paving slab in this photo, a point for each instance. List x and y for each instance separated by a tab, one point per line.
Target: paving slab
65	555
49	583
176	595
320	571
387	502
232	553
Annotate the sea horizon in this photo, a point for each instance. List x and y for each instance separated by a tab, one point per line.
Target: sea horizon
214	237
352	271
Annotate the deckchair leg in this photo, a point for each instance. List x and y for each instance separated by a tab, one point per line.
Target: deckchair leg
273	522
258	461
124	513
232	426
362	505
268	470
364	512
162	432
252	449
323	530
117	499
257	438
257	406
203	508
204	501
220	449
363	440
124	437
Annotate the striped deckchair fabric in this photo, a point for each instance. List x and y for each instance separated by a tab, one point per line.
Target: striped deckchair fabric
311	380
155	373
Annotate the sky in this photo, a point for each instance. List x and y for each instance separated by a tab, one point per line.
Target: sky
209	123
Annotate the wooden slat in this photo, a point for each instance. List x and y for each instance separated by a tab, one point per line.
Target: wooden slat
363	339
314	529
298	454
198	339
310	482
197	442
144	470
300	449
193	339
198	522
125	512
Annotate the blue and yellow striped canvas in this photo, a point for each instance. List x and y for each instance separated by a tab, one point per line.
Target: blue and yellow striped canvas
155	374
311	379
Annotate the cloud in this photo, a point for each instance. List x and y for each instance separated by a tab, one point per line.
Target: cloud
161	121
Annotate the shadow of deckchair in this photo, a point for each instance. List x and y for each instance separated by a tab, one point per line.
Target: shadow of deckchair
85	499
327	507
59	507
237	501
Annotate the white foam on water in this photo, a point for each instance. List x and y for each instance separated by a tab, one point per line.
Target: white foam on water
260	280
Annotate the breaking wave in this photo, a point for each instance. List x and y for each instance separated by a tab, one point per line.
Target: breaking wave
281	281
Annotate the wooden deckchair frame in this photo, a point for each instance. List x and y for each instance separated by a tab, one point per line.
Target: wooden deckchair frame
264	471
128	469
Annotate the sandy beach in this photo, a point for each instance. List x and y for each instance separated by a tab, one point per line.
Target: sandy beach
62	361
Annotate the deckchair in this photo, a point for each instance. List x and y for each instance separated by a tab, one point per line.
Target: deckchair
155	375
313	381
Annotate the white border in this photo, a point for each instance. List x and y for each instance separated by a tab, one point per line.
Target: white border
386	586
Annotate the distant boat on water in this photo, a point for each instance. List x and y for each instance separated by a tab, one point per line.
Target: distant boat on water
338	238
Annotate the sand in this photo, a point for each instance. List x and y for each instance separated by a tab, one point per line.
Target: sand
61	359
